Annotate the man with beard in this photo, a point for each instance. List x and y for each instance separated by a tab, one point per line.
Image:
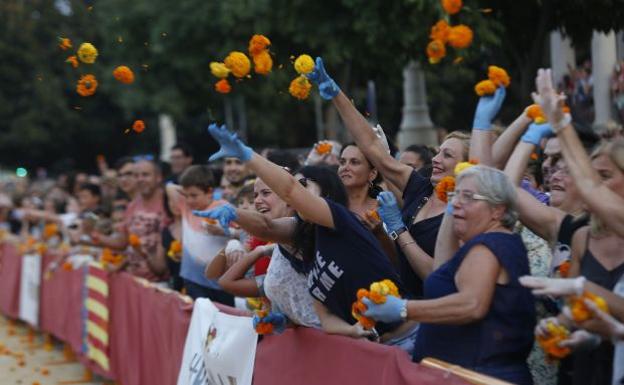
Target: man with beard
234	175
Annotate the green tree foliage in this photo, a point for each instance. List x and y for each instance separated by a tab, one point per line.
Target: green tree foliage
170	44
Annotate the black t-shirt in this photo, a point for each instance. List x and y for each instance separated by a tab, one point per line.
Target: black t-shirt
425	232
348	258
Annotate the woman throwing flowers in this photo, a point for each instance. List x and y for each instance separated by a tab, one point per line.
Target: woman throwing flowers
474	313
421	215
346	257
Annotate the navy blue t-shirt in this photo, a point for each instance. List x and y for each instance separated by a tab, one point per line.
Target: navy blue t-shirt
425	232
348	258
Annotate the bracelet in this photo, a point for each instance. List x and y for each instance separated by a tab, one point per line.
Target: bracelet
406	243
557	127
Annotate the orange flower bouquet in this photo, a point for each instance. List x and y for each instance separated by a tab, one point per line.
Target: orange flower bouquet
550	344
67	266
263	63
175	250
223	86
300	87
564	269
579	310
451	6
65	43
445	186
50	230
73	60
86	85
323	147
377	293
134	240
138	126
238	63
535	113
497	77
123	74
109	258
460	36
436	50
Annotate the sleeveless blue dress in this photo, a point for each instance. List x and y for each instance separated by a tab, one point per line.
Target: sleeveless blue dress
499	344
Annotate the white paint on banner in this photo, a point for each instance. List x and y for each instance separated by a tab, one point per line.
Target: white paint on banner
220	349
29	289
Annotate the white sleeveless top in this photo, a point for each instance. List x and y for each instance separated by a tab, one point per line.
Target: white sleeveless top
288	291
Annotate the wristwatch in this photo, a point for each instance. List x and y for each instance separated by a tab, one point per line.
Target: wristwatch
394	235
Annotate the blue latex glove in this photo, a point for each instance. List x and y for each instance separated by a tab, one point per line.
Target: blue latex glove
278	320
327	86
224	214
231	145
389	211
390	311
487	108
449	208
536	132
256	320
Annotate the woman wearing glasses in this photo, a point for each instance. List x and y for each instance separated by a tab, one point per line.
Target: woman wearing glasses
474	312
341	257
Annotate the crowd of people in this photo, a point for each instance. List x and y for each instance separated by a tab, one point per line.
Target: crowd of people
482	269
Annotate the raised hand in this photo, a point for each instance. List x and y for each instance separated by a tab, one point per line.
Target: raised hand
327	86
389	211
224	214
536	132
231	145
487	109
389	311
549	100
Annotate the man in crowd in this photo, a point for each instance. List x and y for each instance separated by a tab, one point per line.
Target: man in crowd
144	219
181	158
234	174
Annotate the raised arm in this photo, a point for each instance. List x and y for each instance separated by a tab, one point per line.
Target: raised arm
541	219
367	141
517	163
602	201
278	230
310	207
481	138
447	243
504	145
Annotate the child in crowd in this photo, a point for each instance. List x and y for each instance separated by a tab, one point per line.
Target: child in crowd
199	246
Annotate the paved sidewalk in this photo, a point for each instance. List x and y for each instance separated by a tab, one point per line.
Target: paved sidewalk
28	358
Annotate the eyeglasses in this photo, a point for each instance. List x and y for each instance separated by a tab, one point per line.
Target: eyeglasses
466	197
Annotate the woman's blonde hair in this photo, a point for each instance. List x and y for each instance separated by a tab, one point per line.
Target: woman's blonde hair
615	151
464	138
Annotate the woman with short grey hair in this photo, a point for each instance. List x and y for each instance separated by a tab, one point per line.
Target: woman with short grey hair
496	187
474	312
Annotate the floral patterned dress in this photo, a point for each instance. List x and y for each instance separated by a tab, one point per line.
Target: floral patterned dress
540	256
